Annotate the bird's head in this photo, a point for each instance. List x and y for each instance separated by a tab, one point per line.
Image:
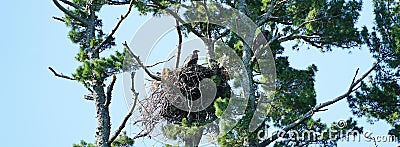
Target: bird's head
196	51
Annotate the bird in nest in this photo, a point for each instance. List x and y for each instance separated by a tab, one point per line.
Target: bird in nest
191	59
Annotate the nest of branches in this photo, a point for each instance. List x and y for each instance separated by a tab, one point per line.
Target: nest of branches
180	87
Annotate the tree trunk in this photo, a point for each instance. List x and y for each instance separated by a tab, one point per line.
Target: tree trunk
247	55
209	43
102	112
103	117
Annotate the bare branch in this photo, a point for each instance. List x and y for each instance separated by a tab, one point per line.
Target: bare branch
141	135
118	2
127	116
320	107
149	66
109	90
178	54
58	18
88	97
69	13
66	77
141	63
293	36
63	20
122	18
61	75
176	16
354	78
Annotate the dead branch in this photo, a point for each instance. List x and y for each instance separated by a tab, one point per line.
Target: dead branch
320	107
355	75
176	16
141	135
58	18
61	75
127	116
149	66
141	63
61	19
69	13
111	2
178	54
122	18
293	36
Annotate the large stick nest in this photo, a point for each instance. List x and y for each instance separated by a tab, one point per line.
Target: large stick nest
164	95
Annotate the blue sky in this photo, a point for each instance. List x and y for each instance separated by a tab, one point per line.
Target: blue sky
38	109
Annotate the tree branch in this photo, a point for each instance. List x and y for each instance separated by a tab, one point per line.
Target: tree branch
61	75
292	35
66	77
176	16
141	63
179	48
71	4
149	66
59	19
355	75
69	13
140	135
111	2
266	16
320	107
109	90
122	18
127	116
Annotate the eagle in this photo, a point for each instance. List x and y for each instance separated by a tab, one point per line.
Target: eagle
191	59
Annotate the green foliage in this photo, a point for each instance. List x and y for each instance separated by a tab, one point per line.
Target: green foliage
123	140
379	98
220	105
84	144
92	68
295	92
322	24
174	132
98	69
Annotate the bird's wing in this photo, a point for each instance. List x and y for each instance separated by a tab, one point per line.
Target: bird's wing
187	60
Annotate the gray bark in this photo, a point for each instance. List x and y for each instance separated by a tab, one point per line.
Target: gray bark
209	44
103	117
102	112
